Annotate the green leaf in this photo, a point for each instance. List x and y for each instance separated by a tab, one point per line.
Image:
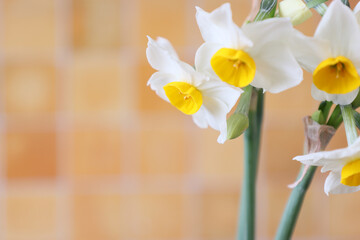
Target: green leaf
325	107
335	119
356	103
318	117
357	118
314	3
267	10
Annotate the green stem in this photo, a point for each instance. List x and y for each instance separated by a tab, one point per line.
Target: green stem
246	227
321	8
293	206
349	123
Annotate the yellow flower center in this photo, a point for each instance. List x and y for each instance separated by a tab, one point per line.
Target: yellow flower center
184	96
235	67
350	173
336	76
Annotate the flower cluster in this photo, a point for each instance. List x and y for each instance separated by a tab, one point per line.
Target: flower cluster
266	55
231	58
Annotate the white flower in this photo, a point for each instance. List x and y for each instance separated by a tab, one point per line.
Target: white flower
256	54
333	55
296	10
193	92
344	165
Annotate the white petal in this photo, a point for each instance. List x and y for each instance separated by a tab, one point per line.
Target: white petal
218	27
341	153
334	186
216	89
309	52
158	80
200	118
203	57
161	59
332	182
276	68
269	30
340	27
218	100
166	45
342	99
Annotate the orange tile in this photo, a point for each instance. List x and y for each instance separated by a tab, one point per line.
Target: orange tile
219	162
96	25
162	18
163	151
160	216
296	98
219	213
313	217
30	154
30	217
95	82
29	27
95	152
344	214
279	150
30	88
102	216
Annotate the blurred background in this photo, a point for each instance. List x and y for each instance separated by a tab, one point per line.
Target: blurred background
89	152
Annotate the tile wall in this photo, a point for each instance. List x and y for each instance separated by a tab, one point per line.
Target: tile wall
89	152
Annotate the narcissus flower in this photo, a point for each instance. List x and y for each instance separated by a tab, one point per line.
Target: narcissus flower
333	55
256	54
192	92
344	167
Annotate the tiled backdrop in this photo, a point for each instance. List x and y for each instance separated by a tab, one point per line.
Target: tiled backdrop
89	152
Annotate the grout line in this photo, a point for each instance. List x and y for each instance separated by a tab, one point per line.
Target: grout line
3	180
63	34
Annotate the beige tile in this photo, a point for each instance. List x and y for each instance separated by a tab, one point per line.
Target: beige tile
30	154
96	25
313	214
161	216
162	18
219	213
163	152
95	82
29	27
279	150
102	216
344	214
30	216
30	88
296	98
95	153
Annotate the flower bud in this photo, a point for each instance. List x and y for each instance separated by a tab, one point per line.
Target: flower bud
236	125
296	10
